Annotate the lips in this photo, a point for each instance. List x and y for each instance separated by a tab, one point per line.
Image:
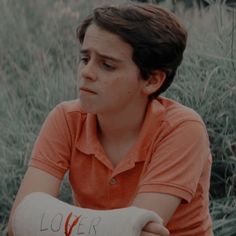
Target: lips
87	90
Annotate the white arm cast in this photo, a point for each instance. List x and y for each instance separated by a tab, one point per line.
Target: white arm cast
40	214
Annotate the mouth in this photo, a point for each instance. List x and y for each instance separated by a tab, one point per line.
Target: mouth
87	90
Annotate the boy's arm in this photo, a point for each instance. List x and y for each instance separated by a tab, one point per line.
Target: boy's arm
163	204
35	180
54	216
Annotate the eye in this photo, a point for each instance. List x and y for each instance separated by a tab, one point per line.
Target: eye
108	66
84	59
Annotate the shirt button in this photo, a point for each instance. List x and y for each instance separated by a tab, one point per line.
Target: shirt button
113	181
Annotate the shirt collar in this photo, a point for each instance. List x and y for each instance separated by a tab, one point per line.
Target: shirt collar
89	144
152	121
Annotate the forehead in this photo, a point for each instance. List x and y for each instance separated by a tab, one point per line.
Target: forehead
105	42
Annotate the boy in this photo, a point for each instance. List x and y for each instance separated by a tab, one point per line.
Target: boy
123	145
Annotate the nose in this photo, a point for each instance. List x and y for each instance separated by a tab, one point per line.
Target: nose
87	71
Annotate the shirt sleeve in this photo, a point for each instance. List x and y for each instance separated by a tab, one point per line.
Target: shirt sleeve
178	161
52	149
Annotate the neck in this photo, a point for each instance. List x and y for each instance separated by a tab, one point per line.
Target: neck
122	125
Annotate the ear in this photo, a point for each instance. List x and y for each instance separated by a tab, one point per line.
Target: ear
154	82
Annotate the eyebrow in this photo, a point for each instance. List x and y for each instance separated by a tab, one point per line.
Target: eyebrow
86	51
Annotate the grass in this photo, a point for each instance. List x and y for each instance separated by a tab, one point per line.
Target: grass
38	63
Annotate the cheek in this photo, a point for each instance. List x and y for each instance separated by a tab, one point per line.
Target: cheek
122	84
110	83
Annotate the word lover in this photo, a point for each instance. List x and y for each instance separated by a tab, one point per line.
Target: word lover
80	225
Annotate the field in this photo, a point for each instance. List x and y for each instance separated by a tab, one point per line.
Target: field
38	66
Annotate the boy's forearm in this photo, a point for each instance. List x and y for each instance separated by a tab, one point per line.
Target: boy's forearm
42	214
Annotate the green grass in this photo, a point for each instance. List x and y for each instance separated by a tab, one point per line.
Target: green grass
38	60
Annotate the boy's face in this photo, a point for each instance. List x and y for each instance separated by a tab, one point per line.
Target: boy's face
109	80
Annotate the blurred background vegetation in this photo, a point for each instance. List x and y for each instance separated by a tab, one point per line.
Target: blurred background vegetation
38	64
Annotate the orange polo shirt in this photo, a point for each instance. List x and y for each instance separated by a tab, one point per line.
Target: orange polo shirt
171	156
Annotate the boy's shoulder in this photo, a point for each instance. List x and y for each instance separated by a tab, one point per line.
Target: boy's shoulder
175	113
